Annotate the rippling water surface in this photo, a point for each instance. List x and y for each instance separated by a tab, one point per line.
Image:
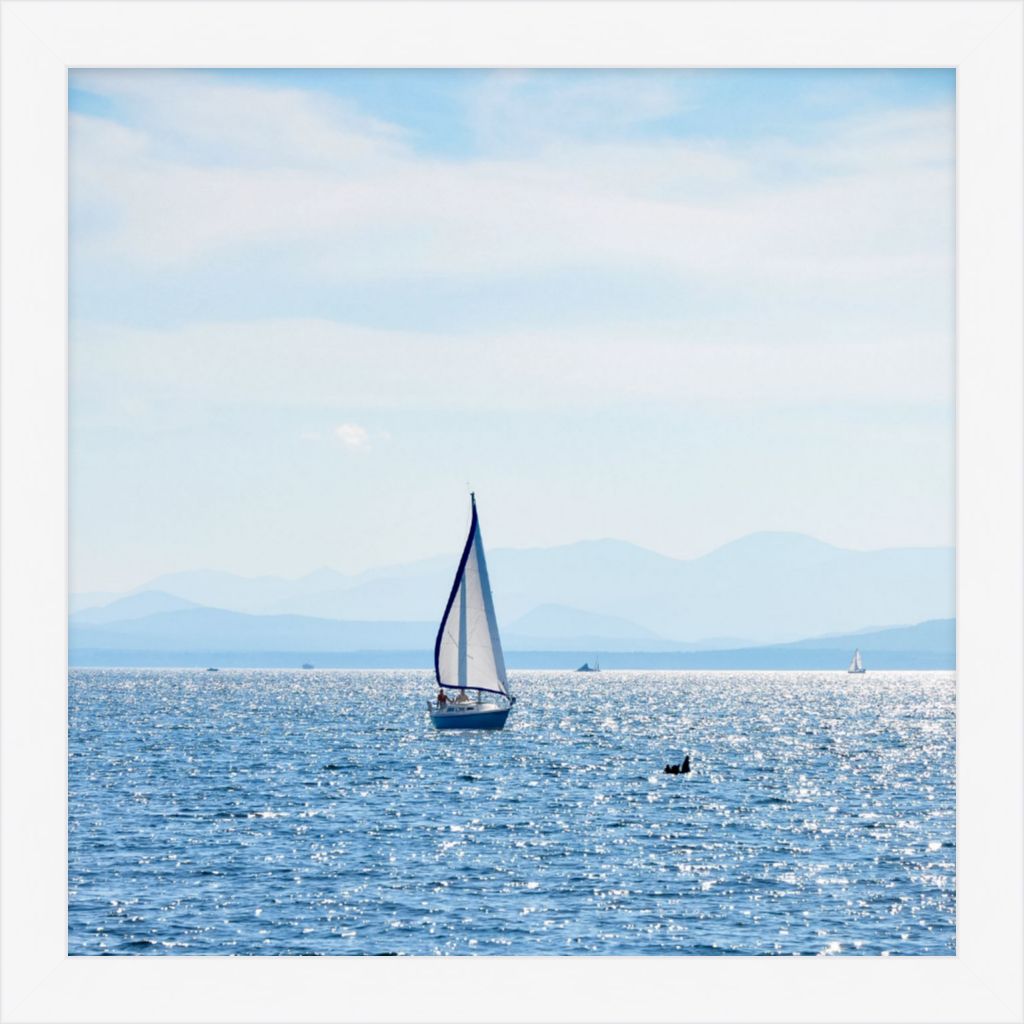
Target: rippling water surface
319	812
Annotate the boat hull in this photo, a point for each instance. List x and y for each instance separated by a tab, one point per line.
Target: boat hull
490	717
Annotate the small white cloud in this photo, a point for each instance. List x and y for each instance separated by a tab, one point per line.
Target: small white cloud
352	435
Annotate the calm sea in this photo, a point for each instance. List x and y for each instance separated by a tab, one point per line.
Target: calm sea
270	812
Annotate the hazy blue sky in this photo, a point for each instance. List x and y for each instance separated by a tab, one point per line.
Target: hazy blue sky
671	307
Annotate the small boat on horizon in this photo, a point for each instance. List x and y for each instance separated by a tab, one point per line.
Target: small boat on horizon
856	665
467	653
307	664
212	669
587	667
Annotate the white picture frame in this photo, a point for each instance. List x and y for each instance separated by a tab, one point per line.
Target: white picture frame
42	38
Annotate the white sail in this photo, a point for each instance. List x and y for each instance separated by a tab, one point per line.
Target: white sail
855	664
467	654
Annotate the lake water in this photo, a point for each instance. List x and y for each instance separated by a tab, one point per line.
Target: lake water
270	812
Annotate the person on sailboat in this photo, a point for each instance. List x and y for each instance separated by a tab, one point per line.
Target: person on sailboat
442	698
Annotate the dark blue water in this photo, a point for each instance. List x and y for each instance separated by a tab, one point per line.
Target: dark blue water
820	816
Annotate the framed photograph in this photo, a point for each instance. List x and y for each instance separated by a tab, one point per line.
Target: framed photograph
708	316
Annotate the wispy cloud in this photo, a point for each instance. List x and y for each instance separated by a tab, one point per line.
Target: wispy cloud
513	110
665	306
353	436
204	120
210	170
816	265
303	365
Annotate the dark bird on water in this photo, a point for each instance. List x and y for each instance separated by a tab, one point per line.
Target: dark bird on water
679	769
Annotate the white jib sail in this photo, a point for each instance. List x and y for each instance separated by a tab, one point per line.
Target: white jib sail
468	654
855	664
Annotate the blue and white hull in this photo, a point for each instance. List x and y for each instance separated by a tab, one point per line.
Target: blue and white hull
470	715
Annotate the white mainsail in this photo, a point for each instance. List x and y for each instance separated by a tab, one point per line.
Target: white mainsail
467	653
856	665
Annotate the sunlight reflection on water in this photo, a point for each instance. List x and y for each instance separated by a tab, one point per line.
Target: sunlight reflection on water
318	812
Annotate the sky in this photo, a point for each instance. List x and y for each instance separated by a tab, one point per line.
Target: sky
310	309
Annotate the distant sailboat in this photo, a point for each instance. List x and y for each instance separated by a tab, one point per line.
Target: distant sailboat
587	667
467	653
856	665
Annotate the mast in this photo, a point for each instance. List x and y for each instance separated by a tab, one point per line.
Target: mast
463	650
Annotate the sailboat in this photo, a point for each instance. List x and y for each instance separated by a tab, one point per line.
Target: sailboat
587	667
856	665
468	662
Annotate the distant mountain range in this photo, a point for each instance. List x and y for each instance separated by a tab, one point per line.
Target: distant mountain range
607	595
737	595
134	606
